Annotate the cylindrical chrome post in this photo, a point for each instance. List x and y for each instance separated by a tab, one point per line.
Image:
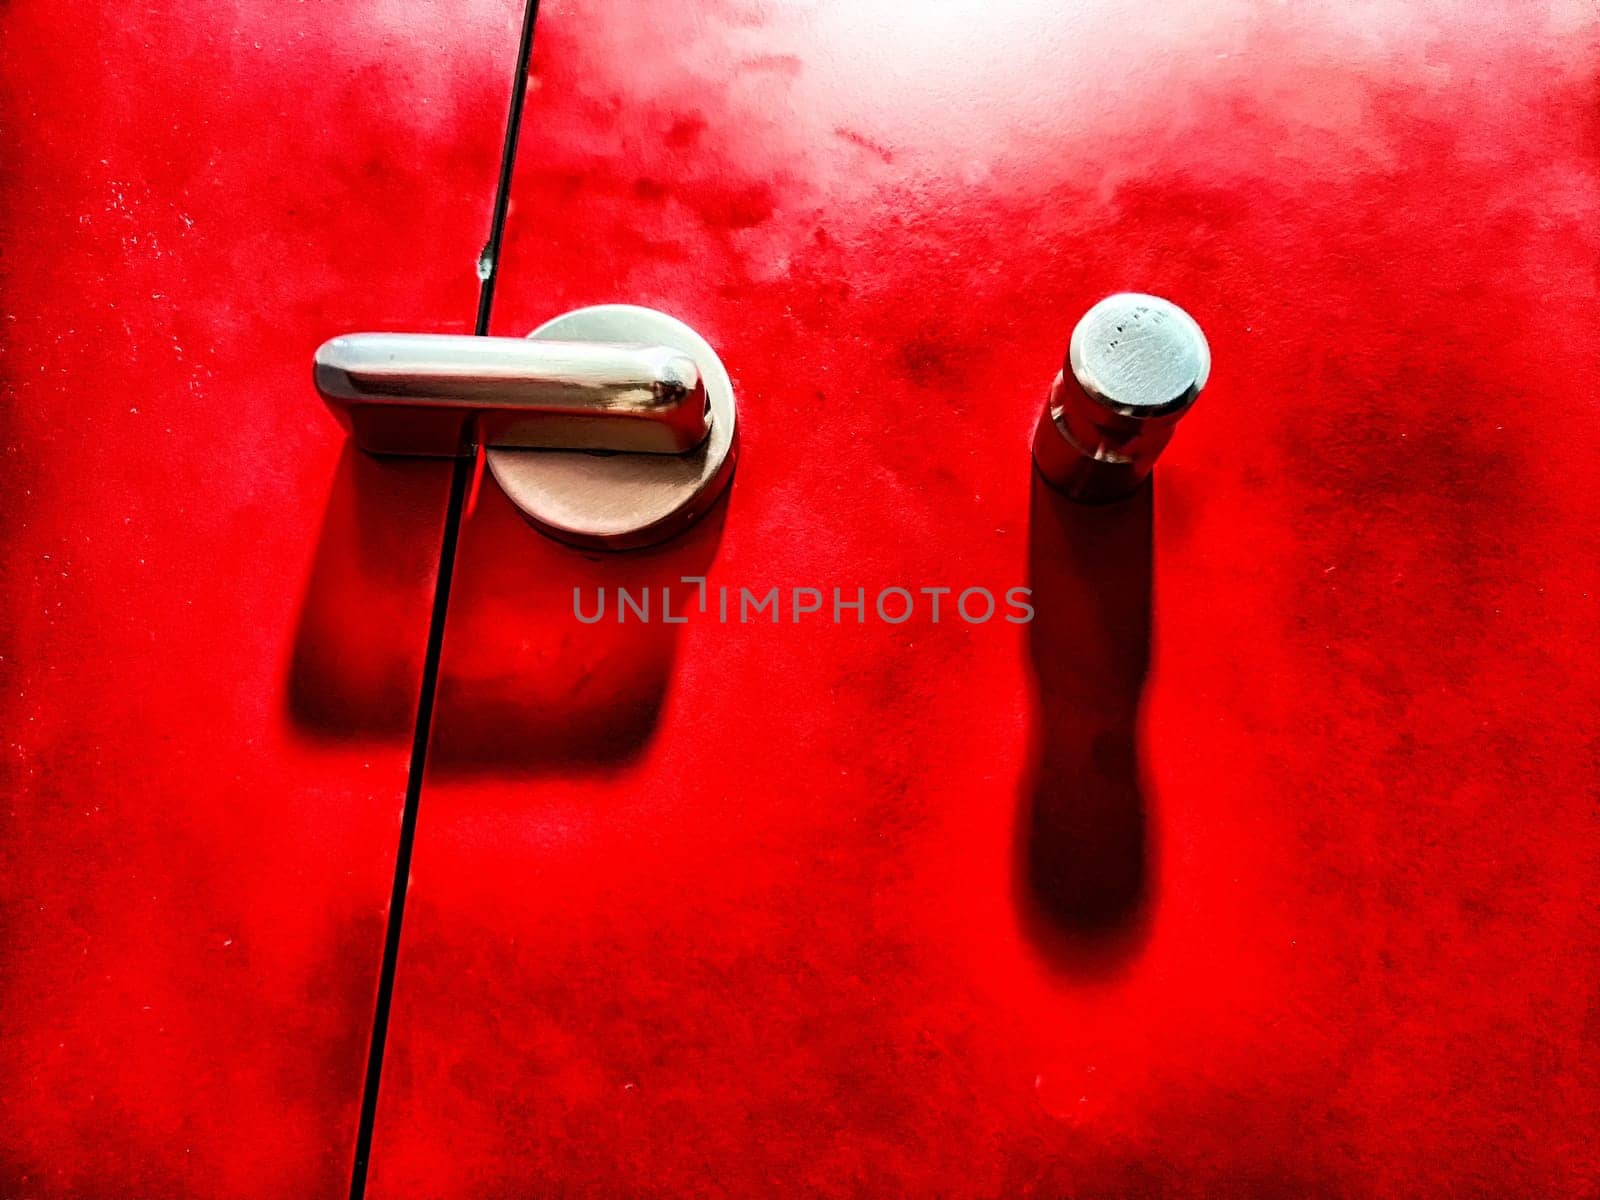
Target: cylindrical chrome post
1134	365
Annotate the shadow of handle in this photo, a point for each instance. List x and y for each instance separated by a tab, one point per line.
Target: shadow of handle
528	686
357	661
524	685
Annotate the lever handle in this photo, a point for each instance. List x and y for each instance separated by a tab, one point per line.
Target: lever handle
443	394
614	377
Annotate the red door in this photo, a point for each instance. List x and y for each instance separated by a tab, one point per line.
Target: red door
1260	861
215	615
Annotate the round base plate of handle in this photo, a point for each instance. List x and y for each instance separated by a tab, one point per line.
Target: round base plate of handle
601	500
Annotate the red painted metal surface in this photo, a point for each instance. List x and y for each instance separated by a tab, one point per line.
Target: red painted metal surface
213	622
1263	862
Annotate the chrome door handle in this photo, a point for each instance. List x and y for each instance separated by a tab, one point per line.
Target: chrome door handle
439	394
608	427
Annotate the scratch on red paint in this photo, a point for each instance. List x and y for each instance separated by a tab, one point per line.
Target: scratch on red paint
477	482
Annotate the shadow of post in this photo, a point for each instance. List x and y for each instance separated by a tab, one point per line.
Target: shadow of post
1083	855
